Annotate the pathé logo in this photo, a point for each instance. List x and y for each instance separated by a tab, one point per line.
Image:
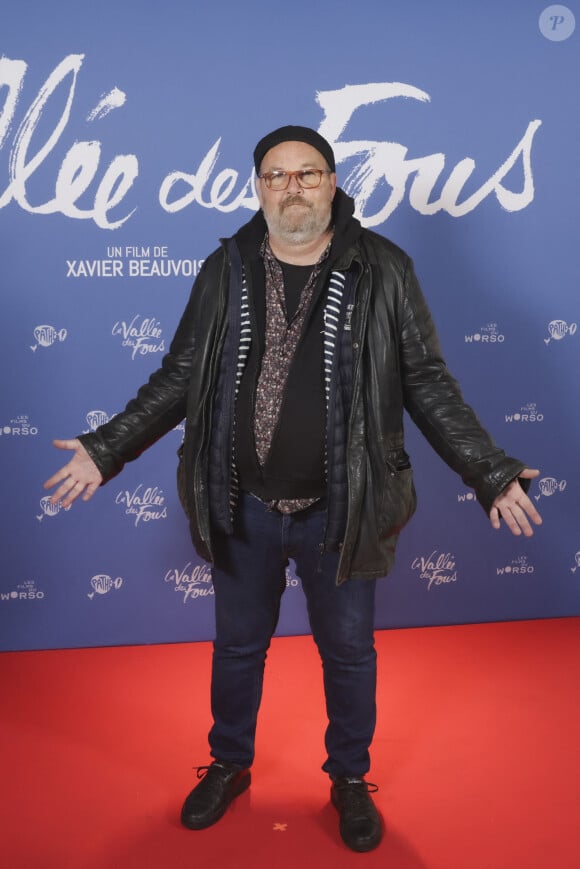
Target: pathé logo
560	329
95	418
46	336
50	509
550	486
103	584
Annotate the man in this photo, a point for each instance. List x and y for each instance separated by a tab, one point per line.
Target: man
304	338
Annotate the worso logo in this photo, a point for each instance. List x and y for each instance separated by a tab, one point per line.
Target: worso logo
291	580
46	336
193	582
518	567
576	564
102	584
527	414
24	591
436	569
489	334
560	329
19	427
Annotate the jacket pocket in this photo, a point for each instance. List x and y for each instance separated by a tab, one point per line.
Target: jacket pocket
399	500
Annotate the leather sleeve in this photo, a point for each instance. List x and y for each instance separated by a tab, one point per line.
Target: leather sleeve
434	401
160	404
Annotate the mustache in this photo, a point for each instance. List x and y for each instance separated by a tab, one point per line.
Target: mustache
295	199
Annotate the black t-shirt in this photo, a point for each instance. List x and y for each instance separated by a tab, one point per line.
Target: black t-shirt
294	467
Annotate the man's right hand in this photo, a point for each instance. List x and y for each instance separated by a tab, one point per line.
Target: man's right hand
80	476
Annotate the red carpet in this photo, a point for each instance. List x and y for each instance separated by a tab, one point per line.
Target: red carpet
477	756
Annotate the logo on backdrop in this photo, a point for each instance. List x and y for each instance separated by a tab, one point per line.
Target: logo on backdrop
382	169
518	567
24	591
191	582
49	509
557	23
576	564
489	334
94	419
142	335
143	504
291	580
550	486
438	568
19	427
103	584
467	497
528	413
46	336
560	329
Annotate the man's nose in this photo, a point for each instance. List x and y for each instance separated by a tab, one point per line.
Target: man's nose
294	185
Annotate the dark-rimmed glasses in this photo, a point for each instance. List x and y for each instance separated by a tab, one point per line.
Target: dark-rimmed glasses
306	178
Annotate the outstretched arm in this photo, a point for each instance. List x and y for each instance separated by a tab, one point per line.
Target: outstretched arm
79	477
514	506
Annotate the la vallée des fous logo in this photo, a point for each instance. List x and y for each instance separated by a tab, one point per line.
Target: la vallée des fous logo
144	504
397	167
192	581
141	335
436	569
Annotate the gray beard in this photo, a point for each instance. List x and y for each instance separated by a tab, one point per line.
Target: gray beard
298	227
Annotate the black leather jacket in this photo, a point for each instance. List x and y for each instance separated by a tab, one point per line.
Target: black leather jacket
397	364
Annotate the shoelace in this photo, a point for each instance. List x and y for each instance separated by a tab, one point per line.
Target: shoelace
370	787
202	771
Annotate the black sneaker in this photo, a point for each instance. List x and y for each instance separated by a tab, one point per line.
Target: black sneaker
360	824
220	783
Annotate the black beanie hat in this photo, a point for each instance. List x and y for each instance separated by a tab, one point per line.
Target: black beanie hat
294	134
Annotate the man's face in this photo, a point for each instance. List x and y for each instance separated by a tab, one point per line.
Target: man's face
295	215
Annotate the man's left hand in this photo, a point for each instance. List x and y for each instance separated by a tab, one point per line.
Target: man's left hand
515	507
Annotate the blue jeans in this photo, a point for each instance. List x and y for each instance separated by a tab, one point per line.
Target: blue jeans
249	579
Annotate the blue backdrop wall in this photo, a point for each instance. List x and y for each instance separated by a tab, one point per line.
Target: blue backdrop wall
126	133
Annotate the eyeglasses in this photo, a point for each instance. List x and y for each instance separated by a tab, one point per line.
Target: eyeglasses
307	178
